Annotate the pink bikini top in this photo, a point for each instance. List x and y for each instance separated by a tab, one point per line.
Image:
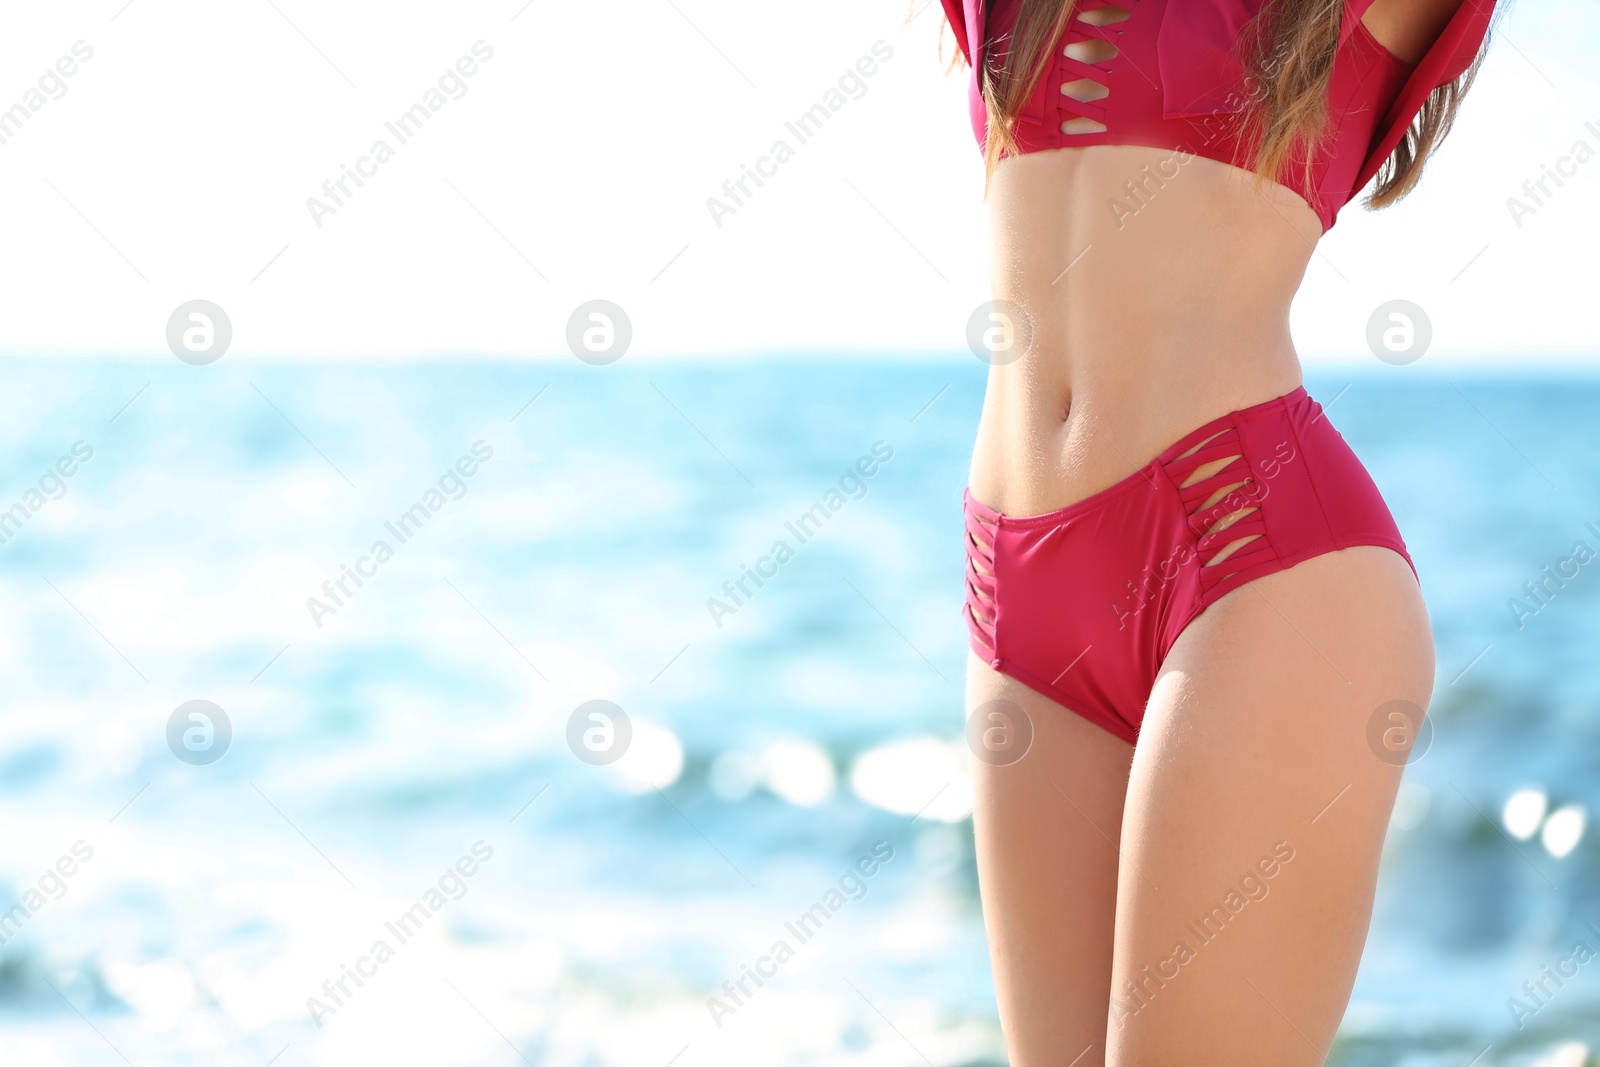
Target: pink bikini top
1175	76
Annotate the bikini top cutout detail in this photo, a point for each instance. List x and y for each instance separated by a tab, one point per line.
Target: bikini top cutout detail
1167	74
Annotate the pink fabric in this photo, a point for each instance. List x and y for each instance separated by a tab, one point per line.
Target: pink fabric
1083	603
1177	82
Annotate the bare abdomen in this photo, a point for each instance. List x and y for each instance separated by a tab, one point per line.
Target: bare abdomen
1157	288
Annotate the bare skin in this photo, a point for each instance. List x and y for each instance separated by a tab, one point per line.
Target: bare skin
1092	857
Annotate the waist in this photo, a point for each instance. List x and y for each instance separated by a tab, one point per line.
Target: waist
1042	446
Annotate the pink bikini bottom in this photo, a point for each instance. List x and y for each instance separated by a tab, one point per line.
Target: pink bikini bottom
1084	603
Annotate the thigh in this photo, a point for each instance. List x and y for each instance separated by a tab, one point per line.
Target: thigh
1046	829
1257	810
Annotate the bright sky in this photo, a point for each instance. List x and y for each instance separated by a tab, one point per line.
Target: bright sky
177	162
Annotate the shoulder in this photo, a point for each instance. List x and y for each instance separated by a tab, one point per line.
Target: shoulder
1408	28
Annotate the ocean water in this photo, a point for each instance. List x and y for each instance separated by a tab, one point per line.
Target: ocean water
399	793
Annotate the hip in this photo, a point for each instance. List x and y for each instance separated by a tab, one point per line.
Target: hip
1116	577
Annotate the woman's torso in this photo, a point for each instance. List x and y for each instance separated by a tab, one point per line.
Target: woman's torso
1157	282
1143	325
